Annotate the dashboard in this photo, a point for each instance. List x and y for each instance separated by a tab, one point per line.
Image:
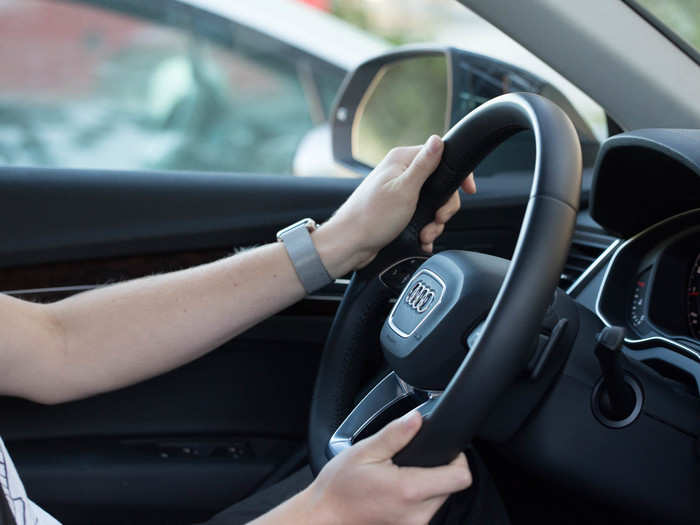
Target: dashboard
646	190
646	193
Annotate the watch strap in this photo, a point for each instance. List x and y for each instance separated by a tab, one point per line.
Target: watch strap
305	258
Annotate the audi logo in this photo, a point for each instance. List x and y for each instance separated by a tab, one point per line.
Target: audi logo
420	296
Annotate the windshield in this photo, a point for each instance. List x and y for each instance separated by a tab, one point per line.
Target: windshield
679	20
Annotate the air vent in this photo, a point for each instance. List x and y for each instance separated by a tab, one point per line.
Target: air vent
585	248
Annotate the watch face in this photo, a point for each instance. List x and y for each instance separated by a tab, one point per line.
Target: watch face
307	223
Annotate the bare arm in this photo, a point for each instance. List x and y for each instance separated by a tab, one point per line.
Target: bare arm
117	335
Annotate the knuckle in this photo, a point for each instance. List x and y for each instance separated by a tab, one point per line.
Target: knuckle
444	214
394	155
463	478
423	161
468	479
393	152
400	152
409	492
448	209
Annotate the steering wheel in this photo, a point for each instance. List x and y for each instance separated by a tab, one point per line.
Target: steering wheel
454	382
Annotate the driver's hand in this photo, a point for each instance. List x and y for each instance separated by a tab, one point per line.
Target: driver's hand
363	486
381	206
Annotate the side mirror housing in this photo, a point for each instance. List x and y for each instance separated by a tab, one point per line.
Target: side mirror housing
401	97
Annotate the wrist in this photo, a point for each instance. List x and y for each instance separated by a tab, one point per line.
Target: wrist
317	510
340	248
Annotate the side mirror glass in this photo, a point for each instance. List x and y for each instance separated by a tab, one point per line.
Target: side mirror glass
406	101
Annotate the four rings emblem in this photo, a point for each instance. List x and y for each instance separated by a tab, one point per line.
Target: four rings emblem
419	297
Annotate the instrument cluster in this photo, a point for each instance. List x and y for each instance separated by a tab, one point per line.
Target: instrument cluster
665	291
652	285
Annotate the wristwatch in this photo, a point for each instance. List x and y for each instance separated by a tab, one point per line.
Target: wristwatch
305	258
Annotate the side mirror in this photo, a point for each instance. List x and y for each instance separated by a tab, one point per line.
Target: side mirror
402	97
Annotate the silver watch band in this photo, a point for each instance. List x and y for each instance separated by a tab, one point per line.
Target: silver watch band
306	260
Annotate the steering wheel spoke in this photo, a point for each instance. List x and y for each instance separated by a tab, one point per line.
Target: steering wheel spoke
390	398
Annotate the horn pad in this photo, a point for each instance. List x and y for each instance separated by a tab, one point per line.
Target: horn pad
452	288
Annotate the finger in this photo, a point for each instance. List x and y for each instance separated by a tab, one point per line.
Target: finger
461	461
469	185
437	481
427	248
448	209
425	161
402	155
431	505
388	441
430	232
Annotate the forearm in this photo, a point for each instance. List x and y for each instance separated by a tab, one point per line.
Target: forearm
120	334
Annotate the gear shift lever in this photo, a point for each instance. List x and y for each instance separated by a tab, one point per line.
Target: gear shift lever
617	398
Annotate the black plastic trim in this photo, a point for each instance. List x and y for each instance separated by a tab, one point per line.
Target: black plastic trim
644	176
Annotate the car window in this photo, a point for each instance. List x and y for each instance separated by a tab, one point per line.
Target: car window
153	86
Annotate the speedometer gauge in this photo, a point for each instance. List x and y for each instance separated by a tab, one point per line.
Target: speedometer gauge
638	307
694	299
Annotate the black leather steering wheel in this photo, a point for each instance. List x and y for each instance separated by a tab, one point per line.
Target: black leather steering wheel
485	371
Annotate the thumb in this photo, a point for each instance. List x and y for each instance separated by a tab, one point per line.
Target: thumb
393	437
425	162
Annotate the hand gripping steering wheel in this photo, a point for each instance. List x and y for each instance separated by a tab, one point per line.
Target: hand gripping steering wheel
452	292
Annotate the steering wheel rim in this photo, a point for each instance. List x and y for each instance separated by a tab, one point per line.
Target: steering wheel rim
531	279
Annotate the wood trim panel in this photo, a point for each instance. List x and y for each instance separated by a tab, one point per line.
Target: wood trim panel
55	281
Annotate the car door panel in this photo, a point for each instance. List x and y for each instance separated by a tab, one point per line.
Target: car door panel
190	441
58	214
